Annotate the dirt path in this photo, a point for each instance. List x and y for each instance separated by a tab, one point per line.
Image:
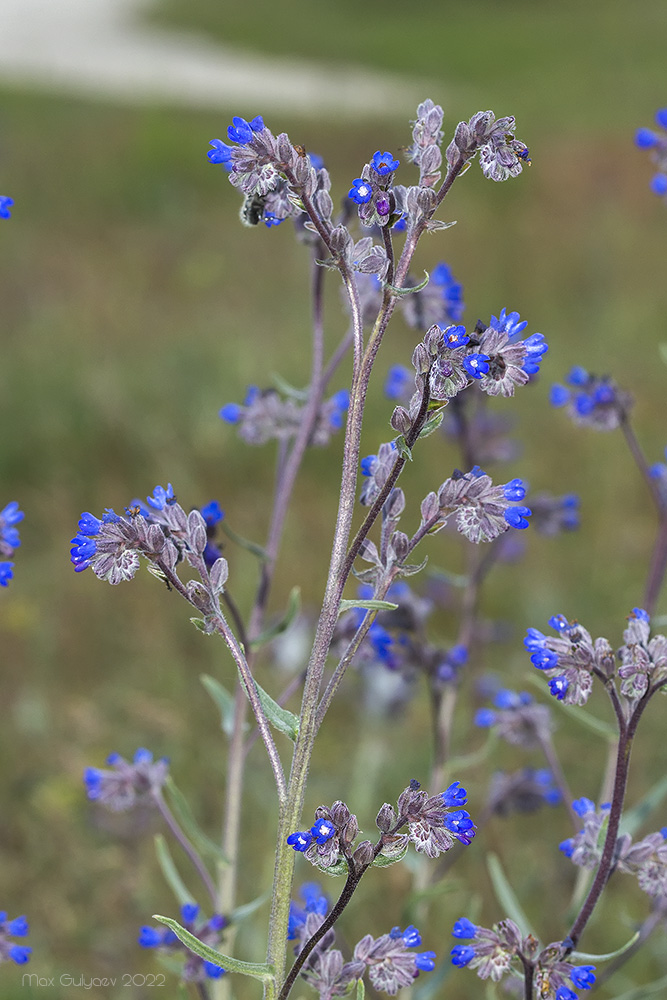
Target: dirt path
101	48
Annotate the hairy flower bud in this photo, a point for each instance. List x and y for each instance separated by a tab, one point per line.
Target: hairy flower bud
386	818
400	420
363	855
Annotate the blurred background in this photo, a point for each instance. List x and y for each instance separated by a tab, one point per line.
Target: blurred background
134	305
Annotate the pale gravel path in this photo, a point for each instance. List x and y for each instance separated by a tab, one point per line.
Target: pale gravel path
102	49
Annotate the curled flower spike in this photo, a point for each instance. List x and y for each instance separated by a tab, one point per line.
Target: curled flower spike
9	950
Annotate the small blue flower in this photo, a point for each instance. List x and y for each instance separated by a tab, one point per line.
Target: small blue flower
241	131
455	336
567	847
411	937
300	840
461	825
160	497
398	381
220	153
366	465
464	928
583	805
361	192
213	971
271	219
455	795
18	927
515	489
544	659
534	640
659	184
517	517
565	993
645	138
149	937
230	413
559	622
212	513
6	572
384	163
5	204
476	365
661	117
558	687
461	955
322	830
189	912
509	323
425	961
559	395
19	954
583	977
485	718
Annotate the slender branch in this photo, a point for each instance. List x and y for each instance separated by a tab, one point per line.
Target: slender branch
187	846
547	747
640	461
656	573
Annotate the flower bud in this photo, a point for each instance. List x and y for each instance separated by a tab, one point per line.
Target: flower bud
400	420
386	818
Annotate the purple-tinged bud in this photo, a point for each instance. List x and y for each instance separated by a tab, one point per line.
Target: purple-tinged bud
400	420
386	818
395	503
433	340
463	137
421	359
363	856
218	574
400	543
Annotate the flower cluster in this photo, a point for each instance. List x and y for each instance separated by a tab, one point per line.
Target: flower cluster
195	969
591	400
160	531
517	718
482	511
265	416
656	141
9	950
501	154
493	950
523	791
10	516
5	205
585	848
390	960
372	191
553	514
571	659
124	785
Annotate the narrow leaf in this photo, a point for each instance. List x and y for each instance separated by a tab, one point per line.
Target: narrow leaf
255	969
634	818
244	543
582	956
361	990
280	718
431	425
293	608
181	810
370	605
577	713
200	624
402	292
505	894
223	700
384	860
170	872
402	448
242	913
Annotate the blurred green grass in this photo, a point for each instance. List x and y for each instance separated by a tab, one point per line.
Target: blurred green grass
134	305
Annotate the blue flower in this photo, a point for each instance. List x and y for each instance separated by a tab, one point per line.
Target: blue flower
361	192
659	184
384	163
366	465
149	937
558	687
455	795
451	290
230	413
583	977
559	395
241	131
485	718
161	497
515	489
212	513
510	323
461	825
464	928
189	912
661	117
6	572
455	336
583	805
18	927
300	840
425	961
544	659
411	937
462	954
535	346
213	971
322	830
271	219
5	204
645	138
476	365
517	517
220	153
567	847
565	993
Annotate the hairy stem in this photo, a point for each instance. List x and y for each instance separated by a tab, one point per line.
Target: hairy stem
187	846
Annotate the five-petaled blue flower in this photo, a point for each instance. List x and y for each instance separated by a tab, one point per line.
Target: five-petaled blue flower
384	163
361	191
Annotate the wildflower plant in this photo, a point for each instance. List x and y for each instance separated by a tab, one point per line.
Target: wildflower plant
456	384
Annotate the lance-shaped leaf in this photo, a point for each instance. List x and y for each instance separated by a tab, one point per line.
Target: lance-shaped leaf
223	700
244	543
582	956
432	424
280	718
369	605
256	970
506	896
402	292
293	608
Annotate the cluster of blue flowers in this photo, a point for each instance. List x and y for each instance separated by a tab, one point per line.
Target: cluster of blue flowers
592	400
124	784
195	969
9	539
648	138
321	831
9	950
241	132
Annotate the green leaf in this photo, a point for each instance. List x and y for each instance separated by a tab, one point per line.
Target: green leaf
384	860
223	700
641	992
431	425
170	872
369	605
361	990
402	447
244	543
576	712
505	894
255	969
340	868
280	718
242	913
288	389
634	818
402	292
181	810
200	623
293	608
582	956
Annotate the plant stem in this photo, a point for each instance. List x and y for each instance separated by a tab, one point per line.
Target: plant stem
187	846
